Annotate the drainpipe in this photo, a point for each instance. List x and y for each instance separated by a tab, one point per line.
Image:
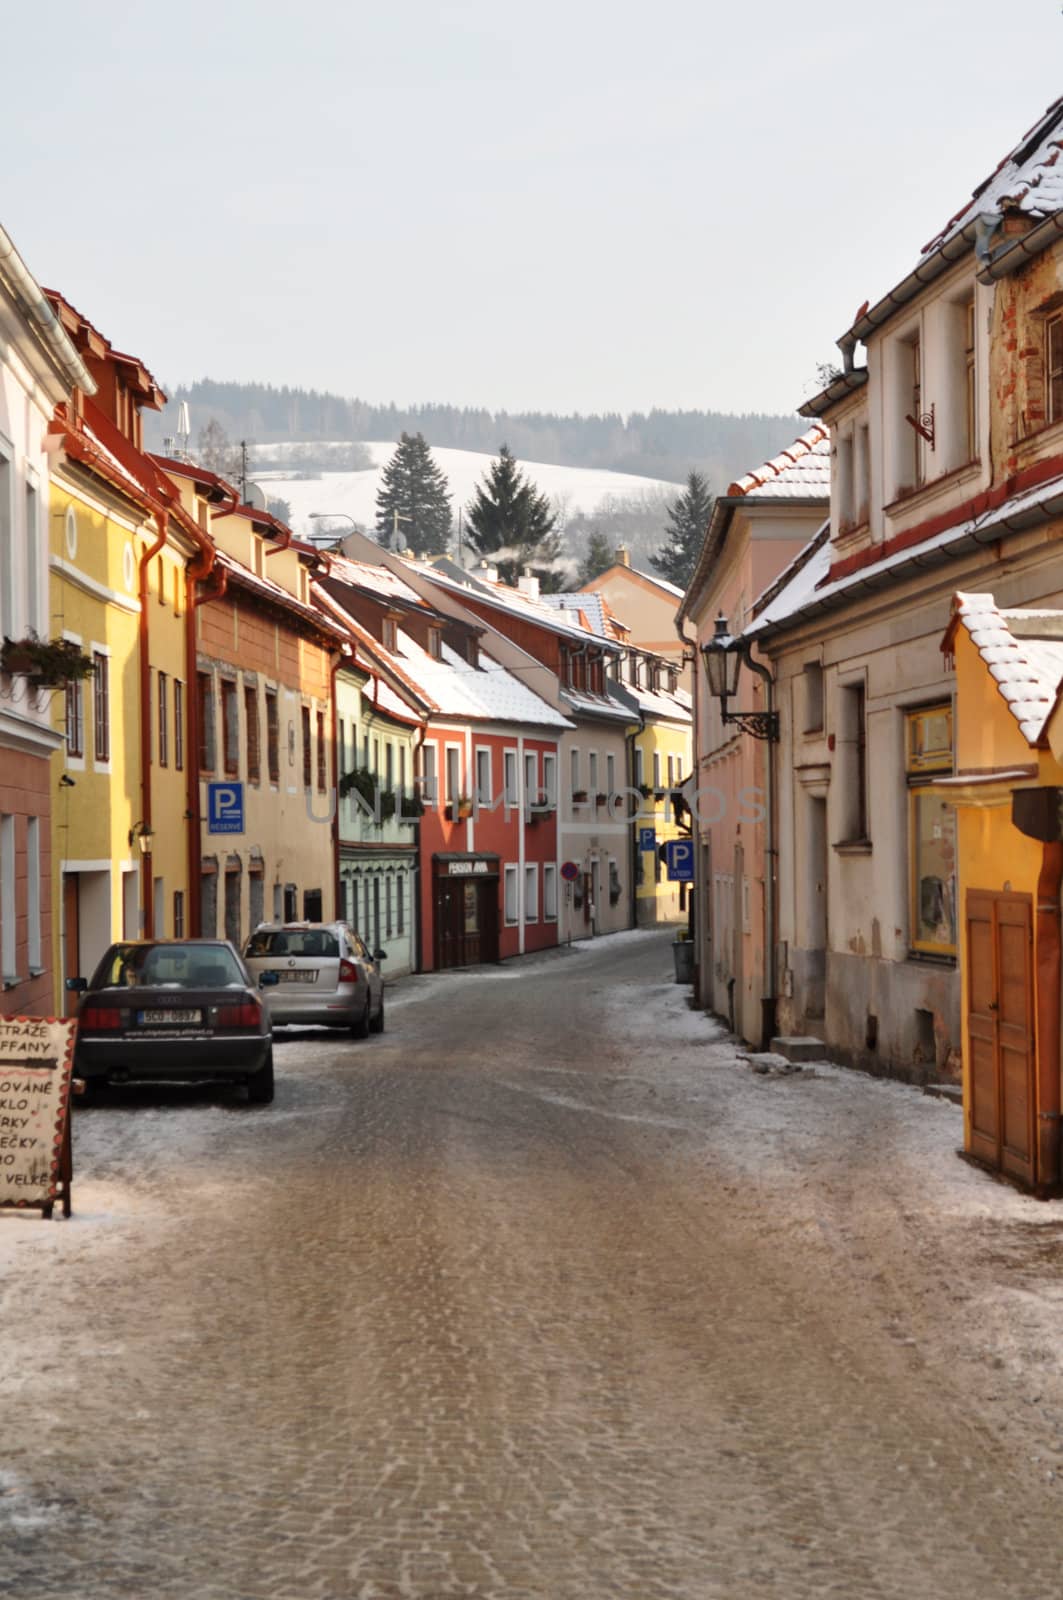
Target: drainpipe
192	814
345	654
634	850
1049	948
769	999
147	898
418	931
700	893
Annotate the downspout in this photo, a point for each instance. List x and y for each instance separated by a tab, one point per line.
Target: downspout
700	893
147	898
635	852
195	852
1048	952
418	930
769	999
345	654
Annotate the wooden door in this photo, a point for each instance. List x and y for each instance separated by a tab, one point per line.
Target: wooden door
71	940
1000	1032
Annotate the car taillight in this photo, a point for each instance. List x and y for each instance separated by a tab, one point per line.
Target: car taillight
248	1015
101	1019
348	972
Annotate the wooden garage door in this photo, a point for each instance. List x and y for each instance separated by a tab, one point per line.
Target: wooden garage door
1000	1032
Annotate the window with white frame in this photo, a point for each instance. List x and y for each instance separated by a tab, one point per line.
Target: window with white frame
592	772
453	774
8	626
75	718
550	778
33	558
861	474
429	773
7	899
531	778
509	776
550	892
844	467
33	894
610	775
484	786
640	767
511	890
101	701
574	772
531	892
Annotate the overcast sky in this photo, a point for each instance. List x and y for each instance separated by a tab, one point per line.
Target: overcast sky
558	206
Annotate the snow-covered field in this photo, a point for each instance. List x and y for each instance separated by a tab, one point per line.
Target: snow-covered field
353	494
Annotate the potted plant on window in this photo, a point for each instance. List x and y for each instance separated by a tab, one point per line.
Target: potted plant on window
47	663
579	796
460	808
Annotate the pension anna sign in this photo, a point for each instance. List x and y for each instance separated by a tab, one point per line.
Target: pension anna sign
36	1057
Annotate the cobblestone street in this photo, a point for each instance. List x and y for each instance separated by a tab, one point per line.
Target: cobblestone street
536	1299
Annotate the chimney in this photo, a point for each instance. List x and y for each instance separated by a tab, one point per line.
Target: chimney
485	570
622	555
528	584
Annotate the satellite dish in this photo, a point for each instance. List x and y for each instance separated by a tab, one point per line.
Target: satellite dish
256	496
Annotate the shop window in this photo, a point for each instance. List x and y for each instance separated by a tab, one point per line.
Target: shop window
931	833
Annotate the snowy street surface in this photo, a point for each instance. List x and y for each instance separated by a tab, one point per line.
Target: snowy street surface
543	1295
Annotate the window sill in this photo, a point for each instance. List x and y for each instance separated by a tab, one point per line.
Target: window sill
853	847
12	982
38	972
812	733
920	493
930	958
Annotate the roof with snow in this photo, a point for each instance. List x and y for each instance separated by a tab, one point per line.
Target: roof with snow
377	580
593	611
801	471
487	692
1028	181
1023	650
507	598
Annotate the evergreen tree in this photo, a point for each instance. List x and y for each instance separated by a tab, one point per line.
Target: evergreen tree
688	518
511	522
414	490
599	558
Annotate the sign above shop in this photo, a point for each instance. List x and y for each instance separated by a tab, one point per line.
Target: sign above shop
468	869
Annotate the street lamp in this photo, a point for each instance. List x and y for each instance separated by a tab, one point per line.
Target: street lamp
723	657
142	835
332	516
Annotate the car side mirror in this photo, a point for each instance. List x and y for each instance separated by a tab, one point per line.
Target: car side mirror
380	955
267	980
77	985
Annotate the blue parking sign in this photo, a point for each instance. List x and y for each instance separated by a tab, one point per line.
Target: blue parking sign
679	854
647	838
225	808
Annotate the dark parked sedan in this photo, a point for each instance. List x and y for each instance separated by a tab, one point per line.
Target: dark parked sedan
173	1009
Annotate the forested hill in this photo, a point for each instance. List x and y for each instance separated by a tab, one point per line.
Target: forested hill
656	444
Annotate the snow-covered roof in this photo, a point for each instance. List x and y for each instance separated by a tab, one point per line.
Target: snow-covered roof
1029	181
675	705
811	590
509	599
486	692
278	595
1023	651
796	585
378	580
594	705
800	472
593	611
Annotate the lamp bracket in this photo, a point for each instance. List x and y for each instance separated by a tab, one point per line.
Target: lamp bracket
758	724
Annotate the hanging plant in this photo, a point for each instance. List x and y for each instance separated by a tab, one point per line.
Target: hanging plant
364	783
47	663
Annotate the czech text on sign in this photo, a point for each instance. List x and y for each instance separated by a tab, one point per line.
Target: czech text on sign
225	808
680	856
36	1055
467	869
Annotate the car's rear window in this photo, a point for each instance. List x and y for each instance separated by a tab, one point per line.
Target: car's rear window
168	966
293	942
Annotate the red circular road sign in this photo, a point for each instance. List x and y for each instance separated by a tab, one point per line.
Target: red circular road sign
570	871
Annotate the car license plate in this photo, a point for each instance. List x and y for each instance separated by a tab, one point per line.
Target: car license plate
297	977
180	1019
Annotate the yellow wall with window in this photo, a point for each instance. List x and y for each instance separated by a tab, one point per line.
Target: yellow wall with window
663	756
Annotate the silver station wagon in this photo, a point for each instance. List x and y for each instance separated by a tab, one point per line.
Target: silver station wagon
325	975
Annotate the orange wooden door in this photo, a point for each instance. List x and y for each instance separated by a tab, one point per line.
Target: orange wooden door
1000	1032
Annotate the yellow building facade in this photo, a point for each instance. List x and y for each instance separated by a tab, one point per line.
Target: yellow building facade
1007	791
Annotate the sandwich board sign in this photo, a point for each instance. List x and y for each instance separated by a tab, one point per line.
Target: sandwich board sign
36	1057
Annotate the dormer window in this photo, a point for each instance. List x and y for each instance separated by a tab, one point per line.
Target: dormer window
435	643
390	634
